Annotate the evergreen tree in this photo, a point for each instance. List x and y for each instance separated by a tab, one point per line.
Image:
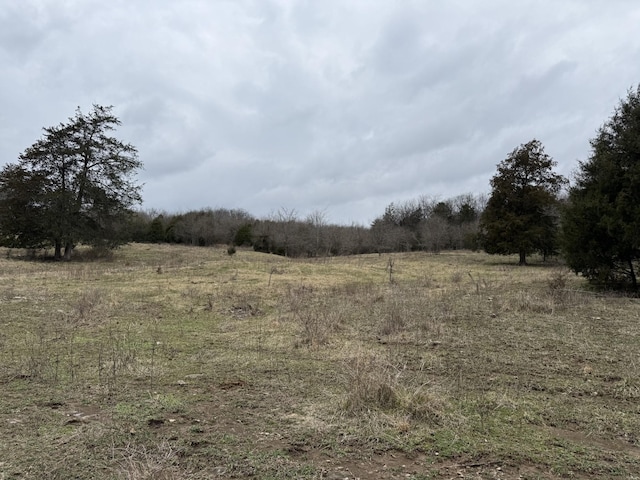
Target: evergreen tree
72	185
520	214
601	223
156	233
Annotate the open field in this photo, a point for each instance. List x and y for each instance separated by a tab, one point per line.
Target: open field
170	362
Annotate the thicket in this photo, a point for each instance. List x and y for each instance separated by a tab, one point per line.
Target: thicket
425	224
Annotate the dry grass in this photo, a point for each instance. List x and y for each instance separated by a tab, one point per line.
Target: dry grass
170	362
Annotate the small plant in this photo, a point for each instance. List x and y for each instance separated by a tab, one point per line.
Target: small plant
456	277
423	406
317	324
390	264
231	250
274	270
525	301
167	403
209	306
394	321
139	461
557	286
557	281
376	384
87	303
196	429
371	384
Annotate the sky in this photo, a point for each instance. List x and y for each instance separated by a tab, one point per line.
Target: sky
332	106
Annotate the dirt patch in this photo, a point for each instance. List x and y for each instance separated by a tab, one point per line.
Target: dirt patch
76	413
592	441
232	384
399	465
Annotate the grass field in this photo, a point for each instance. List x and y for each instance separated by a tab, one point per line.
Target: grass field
168	362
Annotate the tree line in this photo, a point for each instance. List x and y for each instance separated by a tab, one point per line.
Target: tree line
77	185
425	224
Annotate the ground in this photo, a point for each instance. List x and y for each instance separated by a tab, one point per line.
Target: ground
168	362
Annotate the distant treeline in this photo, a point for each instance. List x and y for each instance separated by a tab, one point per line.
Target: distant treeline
424	224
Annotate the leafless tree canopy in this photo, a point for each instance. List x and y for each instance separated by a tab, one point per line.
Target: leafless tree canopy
427	223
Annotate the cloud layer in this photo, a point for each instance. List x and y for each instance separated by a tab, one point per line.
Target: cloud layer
332	105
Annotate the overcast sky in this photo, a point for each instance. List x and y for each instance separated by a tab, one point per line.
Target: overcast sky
335	105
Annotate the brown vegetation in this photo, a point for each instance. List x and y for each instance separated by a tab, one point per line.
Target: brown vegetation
255	365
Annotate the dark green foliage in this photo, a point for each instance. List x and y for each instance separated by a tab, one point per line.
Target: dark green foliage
444	210
262	244
72	185
466	214
156	232
137	227
521	214
244	235
407	215
22	219
471	241
601	223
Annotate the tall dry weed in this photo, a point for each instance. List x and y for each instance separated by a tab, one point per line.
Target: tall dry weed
373	383
317	315
87	303
138	462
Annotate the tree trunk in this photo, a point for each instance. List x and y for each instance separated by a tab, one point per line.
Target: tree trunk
634	280
57	250
68	247
523	258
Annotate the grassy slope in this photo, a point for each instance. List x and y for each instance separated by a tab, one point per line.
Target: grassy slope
171	362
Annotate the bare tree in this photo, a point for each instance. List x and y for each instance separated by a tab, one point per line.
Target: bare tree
285	219
317	220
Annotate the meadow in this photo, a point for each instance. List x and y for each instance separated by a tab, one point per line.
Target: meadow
171	362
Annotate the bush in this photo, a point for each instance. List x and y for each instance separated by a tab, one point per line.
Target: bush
244	236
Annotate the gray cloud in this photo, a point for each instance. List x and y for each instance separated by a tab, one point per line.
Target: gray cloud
343	106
